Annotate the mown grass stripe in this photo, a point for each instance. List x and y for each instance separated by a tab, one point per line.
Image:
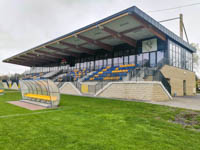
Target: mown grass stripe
28	114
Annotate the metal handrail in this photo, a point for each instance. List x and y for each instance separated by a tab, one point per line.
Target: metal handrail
158	76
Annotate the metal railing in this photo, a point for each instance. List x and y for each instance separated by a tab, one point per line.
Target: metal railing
100	85
92	88
60	84
162	62
77	85
142	73
158	76
136	74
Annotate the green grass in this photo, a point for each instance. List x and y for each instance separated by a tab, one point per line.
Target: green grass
10	90
82	123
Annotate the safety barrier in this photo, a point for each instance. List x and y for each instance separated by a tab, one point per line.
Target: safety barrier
42	92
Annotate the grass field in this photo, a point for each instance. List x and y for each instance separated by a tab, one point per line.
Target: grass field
82	123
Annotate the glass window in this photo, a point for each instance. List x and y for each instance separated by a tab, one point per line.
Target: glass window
105	62
177	56
132	59
100	63
84	65
78	65
146	59
174	55
116	61
171	54
139	59
160	56
109	62
88	65
96	64
91	65
152	59
191	60
121	60
183	58
125	60
187	60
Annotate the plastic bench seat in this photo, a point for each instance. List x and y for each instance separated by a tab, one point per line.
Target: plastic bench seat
41	97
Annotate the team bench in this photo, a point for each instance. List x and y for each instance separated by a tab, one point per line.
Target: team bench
41	97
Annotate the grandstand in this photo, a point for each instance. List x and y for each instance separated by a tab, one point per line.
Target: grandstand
127	55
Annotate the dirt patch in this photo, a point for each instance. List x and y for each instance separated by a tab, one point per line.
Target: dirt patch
188	119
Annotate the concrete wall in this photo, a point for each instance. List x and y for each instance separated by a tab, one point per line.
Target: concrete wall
176	77
69	88
1	85
5	85
56	83
143	90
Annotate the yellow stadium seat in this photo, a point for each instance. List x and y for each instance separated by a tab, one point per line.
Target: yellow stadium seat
108	67
91	79
41	97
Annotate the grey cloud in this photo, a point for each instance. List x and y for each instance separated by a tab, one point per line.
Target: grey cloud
27	23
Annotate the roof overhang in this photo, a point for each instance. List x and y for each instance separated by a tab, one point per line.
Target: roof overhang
127	26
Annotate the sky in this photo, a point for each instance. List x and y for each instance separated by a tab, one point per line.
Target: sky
27	23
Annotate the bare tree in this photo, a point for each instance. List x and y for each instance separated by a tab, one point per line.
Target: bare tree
196	59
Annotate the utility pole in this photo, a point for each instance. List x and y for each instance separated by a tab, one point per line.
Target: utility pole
181	25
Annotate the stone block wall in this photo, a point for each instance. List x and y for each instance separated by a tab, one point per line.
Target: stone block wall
176	78
144	90
69	88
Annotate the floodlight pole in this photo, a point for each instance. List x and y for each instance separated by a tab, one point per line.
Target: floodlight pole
181	25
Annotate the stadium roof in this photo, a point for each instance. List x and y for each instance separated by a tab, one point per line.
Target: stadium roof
127	26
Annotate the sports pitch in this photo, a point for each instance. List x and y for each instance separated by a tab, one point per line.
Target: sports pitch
97	124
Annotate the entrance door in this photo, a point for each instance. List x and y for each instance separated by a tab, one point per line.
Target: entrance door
184	87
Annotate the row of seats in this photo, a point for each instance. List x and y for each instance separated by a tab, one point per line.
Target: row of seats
74	75
35	75
105	78
41	97
77	74
111	73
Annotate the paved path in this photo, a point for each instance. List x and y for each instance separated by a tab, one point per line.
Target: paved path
26	105
187	102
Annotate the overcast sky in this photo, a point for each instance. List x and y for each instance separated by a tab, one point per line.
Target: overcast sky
27	23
